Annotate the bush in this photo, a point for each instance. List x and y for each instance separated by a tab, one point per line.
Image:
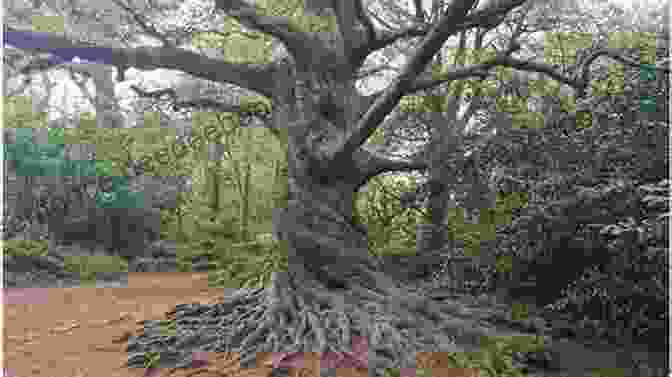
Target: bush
630	293
25	247
87	267
390	226
249	265
124	230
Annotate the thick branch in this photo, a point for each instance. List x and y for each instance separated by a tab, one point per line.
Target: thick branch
616	55
81	84
419	13
416	64
346	16
459	73
372	163
39	65
425	82
581	79
365	20
299	44
200	103
253	77
387	38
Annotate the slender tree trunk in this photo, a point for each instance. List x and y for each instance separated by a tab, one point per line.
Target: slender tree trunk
439	193
245	205
214	194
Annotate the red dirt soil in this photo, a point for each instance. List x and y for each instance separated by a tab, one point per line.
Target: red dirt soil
83	332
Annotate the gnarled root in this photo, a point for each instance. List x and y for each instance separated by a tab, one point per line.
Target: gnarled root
305	316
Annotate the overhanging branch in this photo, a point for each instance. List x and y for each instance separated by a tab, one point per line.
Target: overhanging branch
372	163
416	64
425	83
346	16
201	103
578	82
249	76
365	20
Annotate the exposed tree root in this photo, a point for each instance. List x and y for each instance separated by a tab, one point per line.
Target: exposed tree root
309	317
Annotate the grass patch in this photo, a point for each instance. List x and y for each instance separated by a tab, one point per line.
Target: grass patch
249	266
87	267
608	372
496	358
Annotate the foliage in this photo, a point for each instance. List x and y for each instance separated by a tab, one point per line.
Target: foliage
631	288
576	168
497	355
25	247
597	207
48	24
18	113
154	146
495	359
474	234
299	19
159	153
519	311
608	372
390	227
251	266
87	267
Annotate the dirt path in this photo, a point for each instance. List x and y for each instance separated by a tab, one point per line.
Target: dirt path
82	332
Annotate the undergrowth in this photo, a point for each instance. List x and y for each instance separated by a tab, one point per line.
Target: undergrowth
19	247
495	359
85	266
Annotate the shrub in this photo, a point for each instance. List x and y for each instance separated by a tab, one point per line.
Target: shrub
88	266
250	265
25	247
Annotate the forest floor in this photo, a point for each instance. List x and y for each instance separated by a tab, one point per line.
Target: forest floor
83	331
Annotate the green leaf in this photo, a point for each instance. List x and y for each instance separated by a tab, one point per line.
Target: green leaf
103	168
647	104
48	24
504	264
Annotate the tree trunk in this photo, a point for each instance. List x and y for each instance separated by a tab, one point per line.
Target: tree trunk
315	108
438	207
320	234
245	204
441	149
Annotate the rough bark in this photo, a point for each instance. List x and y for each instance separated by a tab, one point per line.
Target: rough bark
330	268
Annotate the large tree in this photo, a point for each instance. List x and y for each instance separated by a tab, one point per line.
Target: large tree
325	122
